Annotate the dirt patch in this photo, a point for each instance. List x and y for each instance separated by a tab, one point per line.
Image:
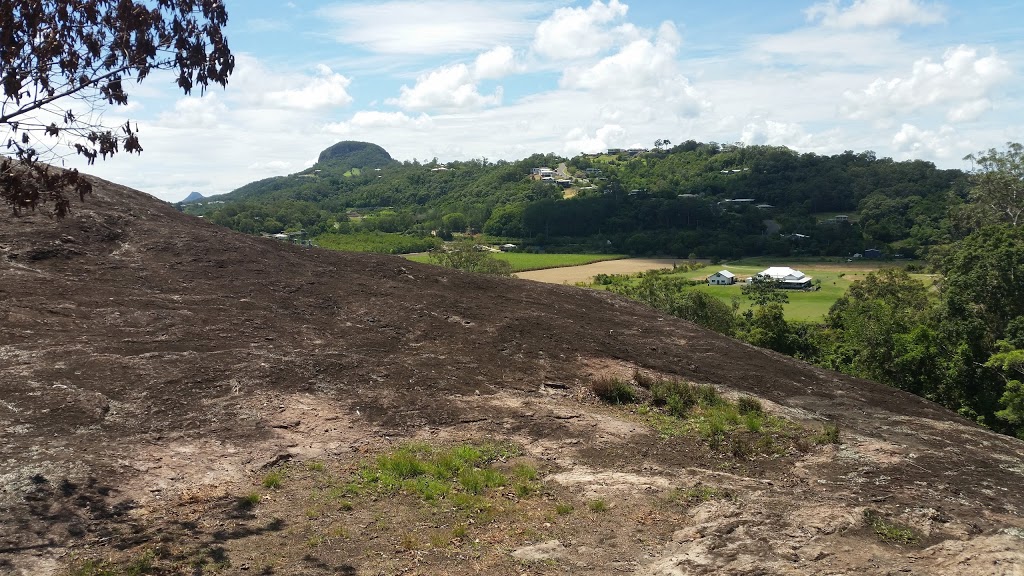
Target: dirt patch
586	273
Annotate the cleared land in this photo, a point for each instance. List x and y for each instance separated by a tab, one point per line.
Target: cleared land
835	279
574	274
522	262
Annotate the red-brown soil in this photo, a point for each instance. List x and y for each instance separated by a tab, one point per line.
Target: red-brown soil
154	367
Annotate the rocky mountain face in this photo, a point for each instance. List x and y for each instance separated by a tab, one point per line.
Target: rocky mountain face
179	398
193	197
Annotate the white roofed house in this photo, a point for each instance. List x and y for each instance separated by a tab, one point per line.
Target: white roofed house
722	278
786	277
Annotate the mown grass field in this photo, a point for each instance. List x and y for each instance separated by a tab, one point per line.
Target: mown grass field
835	276
521	262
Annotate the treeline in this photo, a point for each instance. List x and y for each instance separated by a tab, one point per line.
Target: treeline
680	201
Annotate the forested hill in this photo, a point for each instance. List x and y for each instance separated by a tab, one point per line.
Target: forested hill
702	199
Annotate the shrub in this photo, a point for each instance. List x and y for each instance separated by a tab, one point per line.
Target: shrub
889	532
273	479
708	396
564	509
613	391
598	505
753	421
685	397
828	435
749	405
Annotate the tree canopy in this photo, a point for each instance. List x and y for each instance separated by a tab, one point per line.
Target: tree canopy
63	62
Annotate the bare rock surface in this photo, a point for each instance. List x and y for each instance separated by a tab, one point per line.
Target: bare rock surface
154	367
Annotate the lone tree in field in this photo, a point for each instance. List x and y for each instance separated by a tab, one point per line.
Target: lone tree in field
65	61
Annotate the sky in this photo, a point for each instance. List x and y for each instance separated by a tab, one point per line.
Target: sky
464	79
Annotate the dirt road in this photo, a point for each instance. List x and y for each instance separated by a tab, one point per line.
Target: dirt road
574	274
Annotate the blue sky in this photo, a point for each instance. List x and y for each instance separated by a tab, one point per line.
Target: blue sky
462	79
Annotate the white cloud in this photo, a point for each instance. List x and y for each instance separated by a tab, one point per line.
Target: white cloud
326	89
196	112
875	13
496	63
962	82
578	32
642	71
608	136
914	142
447	88
431	26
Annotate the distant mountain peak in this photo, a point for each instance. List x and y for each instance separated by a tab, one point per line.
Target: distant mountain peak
356	154
193	197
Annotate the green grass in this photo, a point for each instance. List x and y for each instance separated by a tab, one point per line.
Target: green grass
380	242
888	531
521	261
273	479
460	474
598	505
836	276
828	435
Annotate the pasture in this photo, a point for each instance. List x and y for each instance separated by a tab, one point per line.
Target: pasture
812	306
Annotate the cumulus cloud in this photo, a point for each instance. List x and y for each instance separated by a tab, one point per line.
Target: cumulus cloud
448	88
962	82
198	112
496	63
578	141
915	142
324	90
578	32
875	13
645	71
431	26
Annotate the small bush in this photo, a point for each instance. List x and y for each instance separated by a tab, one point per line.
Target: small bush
613	391
708	396
749	405
828	435
564	509
889	532
753	421
273	480
598	505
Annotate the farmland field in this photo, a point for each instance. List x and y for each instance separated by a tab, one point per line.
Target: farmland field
835	276
522	262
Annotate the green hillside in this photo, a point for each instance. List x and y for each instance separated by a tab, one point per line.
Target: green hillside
696	199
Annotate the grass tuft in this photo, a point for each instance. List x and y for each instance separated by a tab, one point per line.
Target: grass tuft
889	532
598	505
273	479
828	435
613	391
249	500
